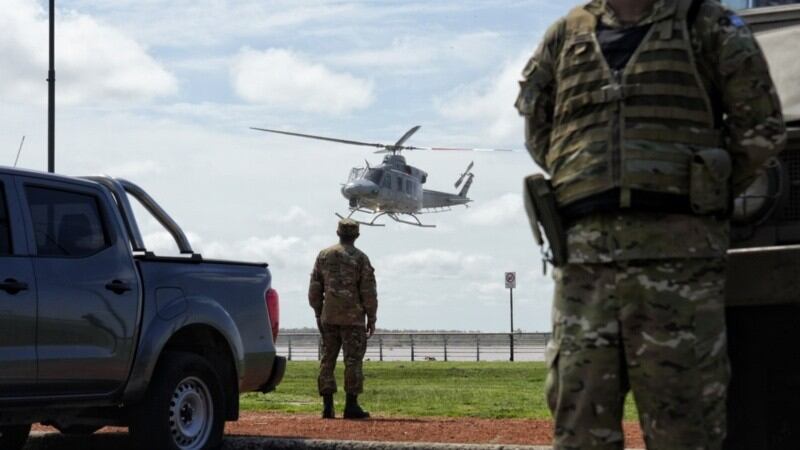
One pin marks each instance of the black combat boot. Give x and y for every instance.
(352, 410)
(327, 407)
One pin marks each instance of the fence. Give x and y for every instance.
(429, 346)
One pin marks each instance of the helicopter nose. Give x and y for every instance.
(359, 188)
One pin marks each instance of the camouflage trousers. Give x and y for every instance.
(654, 326)
(353, 341)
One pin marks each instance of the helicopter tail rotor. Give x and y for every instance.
(465, 174)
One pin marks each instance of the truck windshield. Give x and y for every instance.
(744, 4)
(375, 175)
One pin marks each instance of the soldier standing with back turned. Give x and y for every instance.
(343, 294)
(649, 116)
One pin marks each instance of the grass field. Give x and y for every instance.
(423, 389)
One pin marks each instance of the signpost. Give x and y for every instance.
(511, 283)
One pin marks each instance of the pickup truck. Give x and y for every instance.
(96, 330)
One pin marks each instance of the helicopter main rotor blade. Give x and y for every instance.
(321, 138)
(458, 149)
(408, 134)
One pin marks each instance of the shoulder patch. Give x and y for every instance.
(736, 21)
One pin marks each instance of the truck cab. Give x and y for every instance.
(98, 330)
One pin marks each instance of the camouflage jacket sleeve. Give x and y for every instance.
(368, 290)
(316, 288)
(753, 120)
(536, 101)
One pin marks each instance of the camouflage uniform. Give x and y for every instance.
(640, 303)
(343, 294)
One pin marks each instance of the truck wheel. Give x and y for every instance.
(185, 406)
(14, 437)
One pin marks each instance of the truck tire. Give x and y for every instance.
(14, 437)
(185, 406)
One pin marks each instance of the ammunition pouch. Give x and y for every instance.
(709, 183)
(540, 204)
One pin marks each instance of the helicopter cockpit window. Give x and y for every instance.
(408, 187)
(374, 175)
(387, 181)
(399, 184)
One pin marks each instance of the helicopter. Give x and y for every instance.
(394, 189)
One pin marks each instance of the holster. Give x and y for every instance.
(542, 209)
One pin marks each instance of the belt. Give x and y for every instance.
(641, 201)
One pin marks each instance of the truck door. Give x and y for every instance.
(17, 299)
(87, 284)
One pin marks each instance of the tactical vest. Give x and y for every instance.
(631, 130)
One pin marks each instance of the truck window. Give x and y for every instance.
(5, 225)
(742, 4)
(66, 223)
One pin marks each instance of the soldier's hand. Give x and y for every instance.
(370, 329)
(319, 325)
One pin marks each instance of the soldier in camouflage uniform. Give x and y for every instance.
(343, 294)
(647, 124)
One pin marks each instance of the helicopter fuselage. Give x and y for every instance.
(391, 186)
(394, 189)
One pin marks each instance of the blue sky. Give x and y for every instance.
(163, 92)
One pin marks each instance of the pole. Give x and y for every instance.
(51, 96)
(511, 336)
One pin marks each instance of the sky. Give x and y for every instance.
(162, 92)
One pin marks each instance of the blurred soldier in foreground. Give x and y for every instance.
(649, 116)
(343, 294)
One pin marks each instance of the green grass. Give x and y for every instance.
(423, 389)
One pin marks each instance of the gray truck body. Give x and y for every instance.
(81, 335)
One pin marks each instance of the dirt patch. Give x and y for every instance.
(462, 431)
(454, 431)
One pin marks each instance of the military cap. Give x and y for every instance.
(347, 227)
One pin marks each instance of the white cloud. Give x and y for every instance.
(435, 263)
(489, 105)
(500, 211)
(281, 252)
(134, 169)
(95, 63)
(415, 54)
(287, 80)
(295, 216)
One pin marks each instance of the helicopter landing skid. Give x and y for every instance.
(393, 216)
(369, 224)
(418, 223)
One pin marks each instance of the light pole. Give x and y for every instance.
(51, 96)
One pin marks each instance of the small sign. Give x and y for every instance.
(511, 280)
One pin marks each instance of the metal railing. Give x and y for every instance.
(428, 346)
